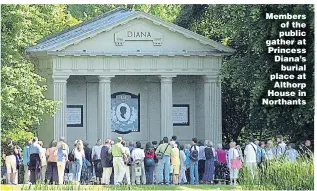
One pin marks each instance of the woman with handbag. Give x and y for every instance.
(234, 163)
(138, 169)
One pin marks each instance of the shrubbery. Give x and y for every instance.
(281, 175)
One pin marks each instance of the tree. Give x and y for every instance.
(22, 101)
(168, 12)
(86, 12)
(245, 74)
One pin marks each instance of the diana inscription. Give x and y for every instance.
(138, 33)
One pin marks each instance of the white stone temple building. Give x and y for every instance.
(132, 74)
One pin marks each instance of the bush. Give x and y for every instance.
(281, 175)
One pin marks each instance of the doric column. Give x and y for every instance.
(104, 107)
(60, 94)
(212, 110)
(166, 106)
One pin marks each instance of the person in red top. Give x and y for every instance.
(149, 162)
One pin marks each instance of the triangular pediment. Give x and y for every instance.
(128, 31)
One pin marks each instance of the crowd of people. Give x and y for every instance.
(122, 162)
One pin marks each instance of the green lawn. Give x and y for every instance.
(140, 187)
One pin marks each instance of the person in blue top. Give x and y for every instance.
(291, 154)
(281, 146)
(263, 155)
(35, 161)
(187, 161)
(61, 161)
(26, 160)
(193, 163)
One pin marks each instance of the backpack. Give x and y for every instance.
(209, 153)
(193, 153)
(71, 155)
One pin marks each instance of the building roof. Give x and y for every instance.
(106, 22)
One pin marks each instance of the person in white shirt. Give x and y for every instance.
(43, 161)
(138, 162)
(78, 163)
(281, 146)
(233, 154)
(183, 168)
(250, 157)
(270, 150)
(95, 155)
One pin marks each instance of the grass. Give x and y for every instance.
(281, 175)
(111, 187)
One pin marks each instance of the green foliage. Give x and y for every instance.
(22, 100)
(85, 12)
(168, 12)
(280, 175)
(245, 74)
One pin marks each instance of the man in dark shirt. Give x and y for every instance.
(9, 151)
(106, 162)
(88, 151)
(35, 161)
